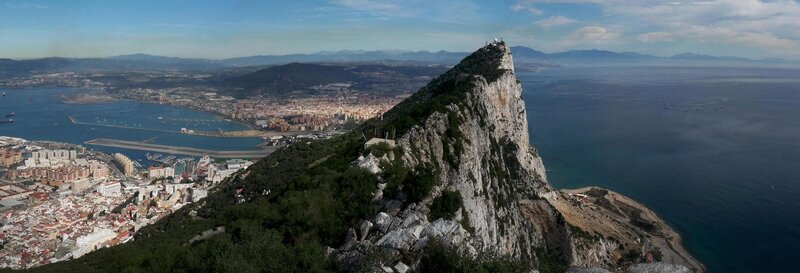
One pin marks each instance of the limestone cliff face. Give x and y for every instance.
(496, 168)
(478, 146)
(477, 143)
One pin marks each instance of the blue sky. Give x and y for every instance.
(221, 29)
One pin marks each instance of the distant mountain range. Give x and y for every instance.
(441, 57)
(522, 55)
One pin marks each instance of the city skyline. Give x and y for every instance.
(217, 29)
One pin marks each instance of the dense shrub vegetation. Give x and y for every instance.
(550, 263)
(441, 258)
(446, 205)
(419, 184)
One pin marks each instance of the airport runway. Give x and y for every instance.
(180, 150)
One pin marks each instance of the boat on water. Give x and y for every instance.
(6, 121)
(10, 115)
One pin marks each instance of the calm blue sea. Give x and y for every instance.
(714, 151)
(40, 114)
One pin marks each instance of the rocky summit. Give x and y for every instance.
(446, 181)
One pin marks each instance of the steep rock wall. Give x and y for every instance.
(496, 168)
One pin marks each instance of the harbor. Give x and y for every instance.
(123, 119)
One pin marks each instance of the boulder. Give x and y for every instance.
(369, 163)
(401, 268)
(382, 222)
(363, 229)
(400, 239)
(443, 228)
(413, 218)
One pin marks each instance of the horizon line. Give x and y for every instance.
(399, 51)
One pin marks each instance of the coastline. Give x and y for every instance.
(217, 115)
(621, 224)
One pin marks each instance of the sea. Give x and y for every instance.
(715, 152)
(42, 114)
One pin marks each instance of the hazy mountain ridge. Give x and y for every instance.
(524, 54)
(9, 67)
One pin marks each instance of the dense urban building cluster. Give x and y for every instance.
(9, 157)
(64, 79)
(327, 110)
(61, 201)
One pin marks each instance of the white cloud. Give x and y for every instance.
(762, 24)
(591, 35)
(526, 6)
(655, 37)
(753, 39)
(379, 7)
(461, 12)
(554, 21)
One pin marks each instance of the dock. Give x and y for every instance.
(178, 150)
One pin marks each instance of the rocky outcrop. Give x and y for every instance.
(609, 229)
(478, 146)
